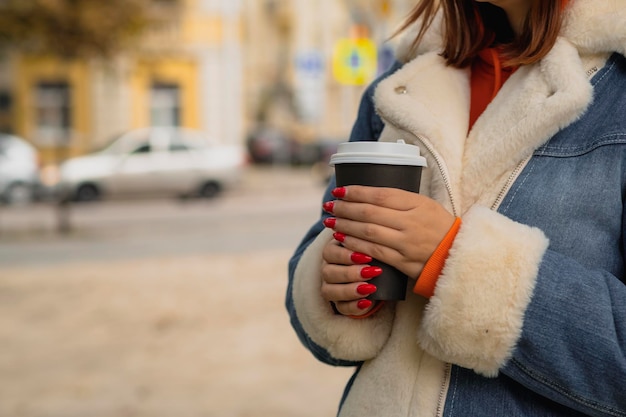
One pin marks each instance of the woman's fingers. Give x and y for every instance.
(342, 274)
(334, 253)
(391, 198)
(346, 292)
(369, 213)
(380, 252)
(393, 226)
(349, 299)
(354, 308)
(340, 288)
(345, 276)
(370, 232)
(395, 209)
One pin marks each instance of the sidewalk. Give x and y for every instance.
(199, 336)
(184, 336)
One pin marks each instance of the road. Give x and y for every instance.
(160, 308)
(271, 209)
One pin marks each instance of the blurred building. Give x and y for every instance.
(221, 66)
(187, 71)
(292, 54)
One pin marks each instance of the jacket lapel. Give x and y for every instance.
(429, 99)
(535, 103)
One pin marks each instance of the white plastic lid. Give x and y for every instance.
(387, 153)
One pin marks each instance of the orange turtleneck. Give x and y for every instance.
(488, 76)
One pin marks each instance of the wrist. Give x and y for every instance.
(427, 280)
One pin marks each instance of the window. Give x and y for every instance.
(5, 112)
(5, 101)
(53, 113)
(143, 148)
(165, 105)
(178, 147)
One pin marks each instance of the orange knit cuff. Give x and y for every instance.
(425, 285)
(373, 311)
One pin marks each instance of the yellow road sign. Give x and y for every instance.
(355, 61)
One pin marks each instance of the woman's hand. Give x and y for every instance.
(397, 227)
(344, 279)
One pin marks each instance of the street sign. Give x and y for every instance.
(310, 63)
(309, 84)
(355, 61)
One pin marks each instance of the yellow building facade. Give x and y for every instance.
(39, 78)
(175, 77)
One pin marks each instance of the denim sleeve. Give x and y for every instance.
(575, 313)
(368, 127)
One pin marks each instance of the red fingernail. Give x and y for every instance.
(364, 304)
(371, 271)
(340, 237)
(339, 192)
(329, 206)
(330, 222)
(360, 258)
(366, 289)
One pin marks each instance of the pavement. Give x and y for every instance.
(196, 335)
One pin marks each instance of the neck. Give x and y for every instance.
(516, 13)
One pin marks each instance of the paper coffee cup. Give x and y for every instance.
(381, 164)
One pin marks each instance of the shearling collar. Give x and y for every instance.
(596, 26)
(430, 101)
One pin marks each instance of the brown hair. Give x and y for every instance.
(470, 26)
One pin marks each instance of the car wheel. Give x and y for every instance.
(19, 194)
(87, 192)
(210, 190)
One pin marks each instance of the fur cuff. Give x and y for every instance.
(344, 338)
(476, 316)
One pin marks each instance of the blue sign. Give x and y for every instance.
(310, 63)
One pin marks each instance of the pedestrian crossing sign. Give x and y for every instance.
(355, 61)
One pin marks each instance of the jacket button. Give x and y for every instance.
(401, 90)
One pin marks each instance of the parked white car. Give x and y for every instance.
(156, 161)
(19, 170)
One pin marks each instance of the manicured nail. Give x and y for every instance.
(330, 222)
(366, 289)
(364, 304)
(329, 206)
(339, 192)
(360, 258)
(371, 271)
(340, 237)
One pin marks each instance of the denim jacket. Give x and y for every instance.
(529, 313)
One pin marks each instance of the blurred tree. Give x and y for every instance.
(76, 28)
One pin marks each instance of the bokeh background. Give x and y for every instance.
(163, 303)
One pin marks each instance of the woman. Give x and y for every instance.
(515, 246)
